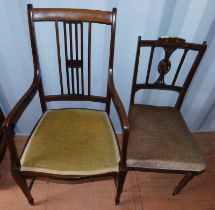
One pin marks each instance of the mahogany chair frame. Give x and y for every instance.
(67, 16)
(169, 44)
(3, 142)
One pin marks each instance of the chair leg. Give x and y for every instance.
(120, 184)
(23, 185)
(115, 179)
(188, 177)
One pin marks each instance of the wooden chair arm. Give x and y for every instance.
(122, 116)
(11, 119)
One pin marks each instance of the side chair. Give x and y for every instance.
(159, 139)
(73, 143)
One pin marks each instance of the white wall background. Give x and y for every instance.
(193, 20)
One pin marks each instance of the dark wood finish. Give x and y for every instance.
(59, 57)
(71, 58)
(20, 180)
(35, 58)
(112, 42)
(150, 64)
(3, 143)
(123, 118)
(170, 42)
(183, 182)
(121, 180)
(76, 49)
(76, 15)
(136, 70)
(89, 57)
(158, 86)
(50, 98)
(111, 58)
(169, 45)
(75, 64)
(66, 57)
(179, 66)
(82, 58)
(31, 183)
(69, 18)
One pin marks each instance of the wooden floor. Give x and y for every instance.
(148, 191)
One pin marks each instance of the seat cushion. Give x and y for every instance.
(72, 142)
(160, 139)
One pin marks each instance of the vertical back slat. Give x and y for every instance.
(89, 58)
(136, 65)
(59, 57)
(71, 58)
(66, 56)
(179, 66)
(76, 49)
(82, 58)
(191, 74)
(150, 64)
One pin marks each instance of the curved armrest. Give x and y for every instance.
(10, 121)
(122, 116)
(18, 109)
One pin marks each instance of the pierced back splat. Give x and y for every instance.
(74, 64)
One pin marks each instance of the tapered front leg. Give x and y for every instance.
(23, 185)
(183, 182)
(120, 184)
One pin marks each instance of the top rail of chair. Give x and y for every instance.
(168, 43)
(67, 14)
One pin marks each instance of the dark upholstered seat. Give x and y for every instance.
(160, 139)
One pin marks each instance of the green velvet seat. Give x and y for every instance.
(72, 142)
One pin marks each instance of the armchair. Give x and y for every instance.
(68, 144)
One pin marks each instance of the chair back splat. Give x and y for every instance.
(169, 45)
